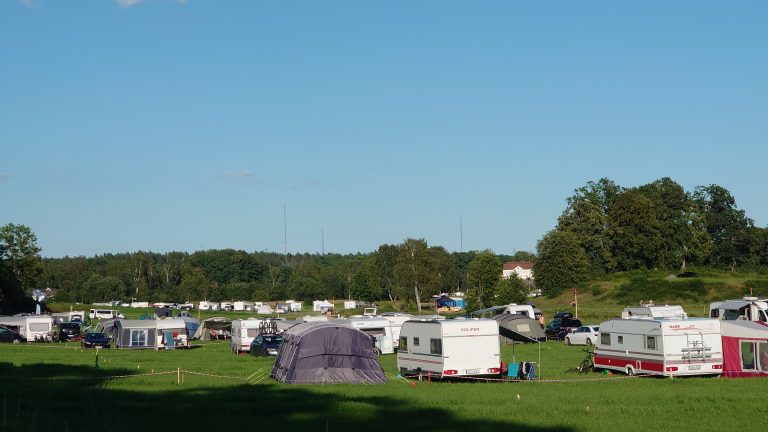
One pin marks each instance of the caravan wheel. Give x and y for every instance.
(630, 370)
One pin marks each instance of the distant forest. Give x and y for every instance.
(604, 228)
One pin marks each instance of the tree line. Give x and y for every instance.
(392, 272)
(607, 228)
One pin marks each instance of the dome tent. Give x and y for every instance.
(326, 353)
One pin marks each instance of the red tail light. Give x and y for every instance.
(450, 372)
(671, 368)
(717, 366)
(493, 370)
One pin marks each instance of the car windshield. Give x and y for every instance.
(273, 339)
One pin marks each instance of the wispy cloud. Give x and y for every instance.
(4, 175)
(131, 3)
(237, 174)
(28, 3)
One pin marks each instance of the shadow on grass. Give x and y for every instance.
(54, 397)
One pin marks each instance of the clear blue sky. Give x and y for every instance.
(184, 125)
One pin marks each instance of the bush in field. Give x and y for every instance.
(641, 288)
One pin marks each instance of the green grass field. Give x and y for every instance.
(58, 387)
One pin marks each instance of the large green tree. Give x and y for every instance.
(561, 263)
(510, 290)
(634, 231)
(484, 274)
(728, 226)
(684, 238)
(21, 253)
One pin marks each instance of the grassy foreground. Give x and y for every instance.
(47, 387)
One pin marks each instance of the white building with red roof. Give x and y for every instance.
(523, 269)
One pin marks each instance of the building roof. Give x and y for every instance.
(526, 265)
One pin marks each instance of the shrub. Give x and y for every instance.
(659, 290)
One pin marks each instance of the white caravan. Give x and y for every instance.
(243, 332)
(660, 346)
(748, 308)
(449, 348)
(104, 314)
(378, 328)
(36, 328)
(396, 320)
(652, 312)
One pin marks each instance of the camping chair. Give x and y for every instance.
(169, 340)
(513, 370)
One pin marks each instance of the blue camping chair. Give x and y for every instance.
(513, 370)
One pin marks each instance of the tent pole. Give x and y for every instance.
(539, 361)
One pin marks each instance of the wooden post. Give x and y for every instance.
(178, 375)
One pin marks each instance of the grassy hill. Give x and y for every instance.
(605, 297)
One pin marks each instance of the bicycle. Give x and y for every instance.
(587, 365)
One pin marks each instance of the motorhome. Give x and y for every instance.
(449, 348)
(226, 306)
(243, 332)
(660, 346)
(378, 328)
(651, 312)
(748, 308)
(104, 314)
(36, 328)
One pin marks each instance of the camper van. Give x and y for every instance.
(449, 348)
(748, 308)
(243, 332)
(378, 328)
(38, 328)
(104, 314)
(660, 346)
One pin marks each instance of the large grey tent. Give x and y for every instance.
(518, 328)
(325, 353)
(135, 334)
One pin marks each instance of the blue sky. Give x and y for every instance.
(184, 125)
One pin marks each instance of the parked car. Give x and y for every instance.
(8, 335)
(69, 331)
(558, 328)
(584, 335)
(266, 345)
(94, 340)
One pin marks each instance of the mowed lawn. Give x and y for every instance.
(58, 387)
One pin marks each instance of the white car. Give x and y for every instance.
(584, 335)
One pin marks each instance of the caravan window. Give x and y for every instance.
(747, 355)
(39, 327)
(138, 338)
(415, 341)
(620, 339)
(650, 342)
(252, 332)
(403, 343)
(605, 338)
(762, 350)
(435, 346)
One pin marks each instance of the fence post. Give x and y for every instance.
(178, 375)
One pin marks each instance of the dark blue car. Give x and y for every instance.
(266, 345)
(95, 340)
